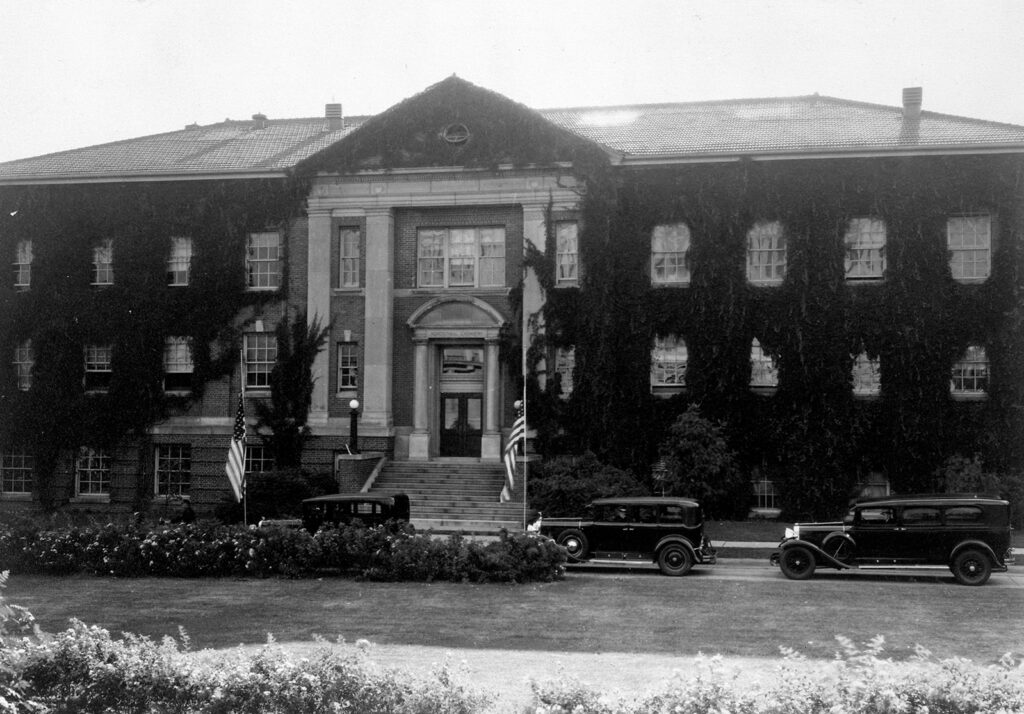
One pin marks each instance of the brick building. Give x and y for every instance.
(406, 231)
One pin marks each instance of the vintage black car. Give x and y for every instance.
(968, 533)
(369, 509)
(666, 531)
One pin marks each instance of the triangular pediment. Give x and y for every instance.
(454, 123)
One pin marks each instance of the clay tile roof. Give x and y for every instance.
(809, 124)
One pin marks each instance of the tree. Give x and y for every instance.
(291, 388)
(700, 464)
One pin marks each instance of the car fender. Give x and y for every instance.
(677, 539)
(997, 562)
(823, 557)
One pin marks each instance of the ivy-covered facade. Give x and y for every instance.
(838, 284)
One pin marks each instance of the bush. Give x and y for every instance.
(392, 552)
(563, 485)
(699, 464)
(276, 494)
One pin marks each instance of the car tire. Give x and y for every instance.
(839, 548)
(971, 567)
(797, 563)
(575, 543)
(675, 559)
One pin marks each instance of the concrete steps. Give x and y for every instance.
(453, 496)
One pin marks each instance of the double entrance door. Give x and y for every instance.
(461, 423)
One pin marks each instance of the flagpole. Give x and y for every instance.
(241, 385)
(526, 462)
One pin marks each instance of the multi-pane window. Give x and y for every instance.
(763, 371)
(92, 472)
(348, 365)
(258, 460)
(766, 253)
(969, 239)
(970, 373)
(865, 249)
(669, 246)
(23, 265)
(565, 368)
(16, 471)
(97, 367)
(765, 495)
(668, 362)
(173, 469)
(103, 263)
(263, 261)
(348, 250)
(178, 365)
(460, 257)
(867, 376)
(567, 253)
(24, 360)
(260, 356)
(179, 261)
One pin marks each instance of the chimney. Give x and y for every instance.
(335, 119)
(912, 102)
(260, 120)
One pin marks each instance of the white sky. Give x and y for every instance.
(81, 72)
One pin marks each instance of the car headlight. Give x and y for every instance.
(793, 532)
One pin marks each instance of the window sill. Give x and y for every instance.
(177, 392)
(15, 496)
(971, 281)
(91, 498)
(655, 284)
(969, 396)
(567, 284)
(348, 289)
(865, 281)
(764, 391)
(867, 396)
(251, 289)
(663, 391)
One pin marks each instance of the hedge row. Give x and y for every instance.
(393, 552)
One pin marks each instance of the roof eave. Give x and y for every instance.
(635, 160)
(140, 177)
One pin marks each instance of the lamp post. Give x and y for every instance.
(353, 426)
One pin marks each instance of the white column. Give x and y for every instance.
(419, 439)
(490, 444)
(318, 304)
(378, 321)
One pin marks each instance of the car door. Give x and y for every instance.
(920, 536)
(873, 528)
(612, 530)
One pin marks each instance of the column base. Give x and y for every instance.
(419, 446)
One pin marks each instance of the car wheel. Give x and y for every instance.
(797, 563)
(574, 542)
(840, 549)
(675, 559)
(971, 567)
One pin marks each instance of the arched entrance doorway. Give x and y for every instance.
(456, 392)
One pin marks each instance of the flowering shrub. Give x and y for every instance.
(391, 553)
(859, 680)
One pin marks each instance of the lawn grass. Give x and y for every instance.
(713, 610)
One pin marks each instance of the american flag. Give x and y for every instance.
(509, 456)
(235, 467)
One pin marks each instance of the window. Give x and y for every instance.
(763, 372)
(178, 364)
(963, 514)
(567, 253)
(348, 365)
(263, 261)
(460, 363)
(920, 516)
(103, 263)
(348, 250)
(23, 265)
(16, 472)
(969, 239)
(766, 254)
(565, 367)
(669, 246)
(668, 363)
(867, 376)
(97, 367)
(23, 363)
(876, 516)
(765, 495)
(460, 257)
(258, 460)
(260, 356)
(865, 249)
(92, 472)
(970, 374)
(173, 469)
(179, 262)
